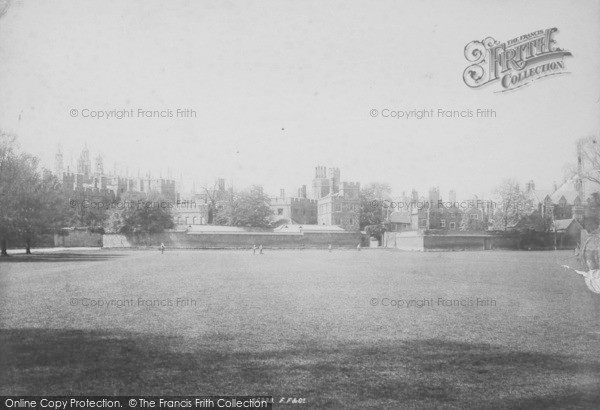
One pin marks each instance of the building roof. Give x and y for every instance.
(400, 217)
(539, 195)
(563, 224)
(214, 228)
(308, 228)
(568, 190)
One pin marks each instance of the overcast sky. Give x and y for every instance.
(282, 86)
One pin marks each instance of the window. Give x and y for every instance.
(279, 211)
(443, 223)
(452, 225)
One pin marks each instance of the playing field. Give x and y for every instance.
(342, 329)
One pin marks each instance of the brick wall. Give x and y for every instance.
(236, 240)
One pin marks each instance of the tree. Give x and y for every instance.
(248, 208)
(85, 213)
(535, 222)
(43, 209)
(140, 215)
(591, 219)
(589, 169)
(371, 207)
(11, 167)
(513, 204)
(215, 195)
(375, 231)
(474, 220)
(30, 203)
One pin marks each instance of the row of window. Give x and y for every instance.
(189, 220)
(442, 224)
(338, 221)
(337, 207)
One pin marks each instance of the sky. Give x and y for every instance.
(279, 87)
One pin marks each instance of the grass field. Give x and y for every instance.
(305, 324)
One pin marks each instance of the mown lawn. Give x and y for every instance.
(306, 324)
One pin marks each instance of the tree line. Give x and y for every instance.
(33, 203)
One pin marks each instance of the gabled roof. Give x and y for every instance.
(563, 224)
(539, 195)
(569, 196)
(568, 189)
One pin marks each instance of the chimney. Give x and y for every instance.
(282, 193)
(415, 196)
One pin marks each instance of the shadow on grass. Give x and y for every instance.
(60, 257)
(402, 374)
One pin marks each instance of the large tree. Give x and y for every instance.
(44, 210)
(12, 166)
(247, 208)
(513, 204)
(31, 203)
(589, 147)
(470, 224)
(215, 196)
(138, 213)
(371, 206)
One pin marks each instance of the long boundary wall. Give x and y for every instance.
(416, 241)
(78, 237)
(197, 240)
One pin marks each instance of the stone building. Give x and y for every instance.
(338, 202)
(93, 192)
(190, 212)
(435, 214)
(294, 210)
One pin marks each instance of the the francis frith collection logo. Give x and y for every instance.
(514, 63)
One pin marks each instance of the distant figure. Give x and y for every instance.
(162, 248)
(358, 247)
(329, 248)
(253, 249)
(260, 249)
